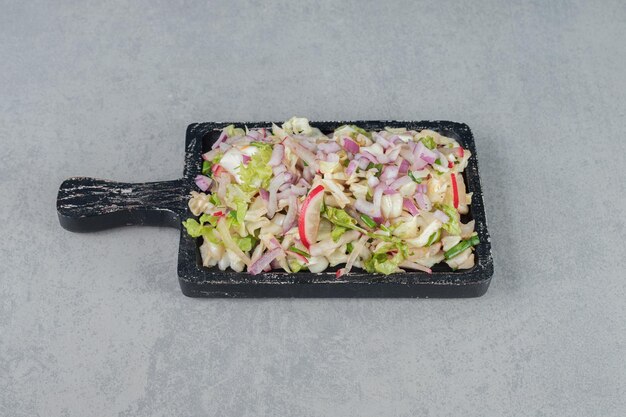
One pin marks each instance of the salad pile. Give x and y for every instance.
(293, 198)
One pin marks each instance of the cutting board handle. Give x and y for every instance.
(90, 204)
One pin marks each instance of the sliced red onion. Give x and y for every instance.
(390, 172)
(245, 158)
(356, 251)
(423, 202)
(224, 146)
(333, 157)
(363, 163)
(219, 140)
(203, 182)
(408, 155)
(400, 182)
(209, 156)
(303, 153)
(404, 167)
(373, 181)
(366, 207)
(378, 219)
(308, 174)
(418, 165)
(277, 155)
(276, 182)
(264, 194)
(350, 145)
(381, 140)
(264, 261)
(329, 147)
(306, 142)
(422, 188)
(285, 186)
(302, 258)
(410, 206)
(222, 181)
(425, 153)
(279, 169)
(290, 218)
(389, 190)
(376, 200)
(352, 166)
(392, 154)
(369, 156)
(441, 216)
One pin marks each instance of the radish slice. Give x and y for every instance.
(455, 191)
(309, 221)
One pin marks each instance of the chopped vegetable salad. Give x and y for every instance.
(293, 198)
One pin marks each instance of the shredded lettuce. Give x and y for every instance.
(341, 218)
(352, 131)
(205, 228)
(245, 243)
(337, 232)
(215, 200)
(231, 131)
(257, 173)
(297, 125)
(383, 263)
(295, 266)
(429, 142)
(452, 226)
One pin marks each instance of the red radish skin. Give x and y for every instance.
(310, 212)
(455, 191)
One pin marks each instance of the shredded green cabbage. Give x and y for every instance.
(257, 173)
(231, 131)
(337, 232)
(429, 142)
(382, 263)
(452, 226)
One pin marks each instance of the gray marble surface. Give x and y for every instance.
(95, 324)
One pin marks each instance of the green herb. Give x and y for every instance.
(349, 247)
(434, 237)
(412, 176)
(438, 161)
(299, 252)
(368, 221)
(379, 168)
(461, 246)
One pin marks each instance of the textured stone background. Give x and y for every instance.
(95, 324)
